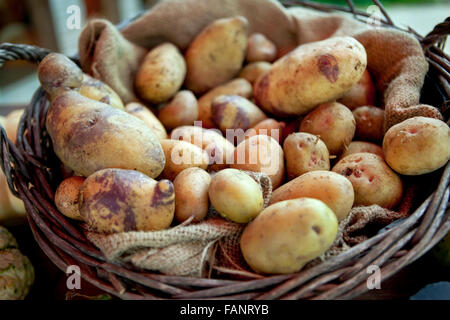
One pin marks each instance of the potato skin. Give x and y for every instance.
(161, 73)
(361, 94)
(369, 123)
(254, 70)
(142, 112)
(417, 146)
(373, 181)
(305, 152)
(235, 112)
(362, 146)
(89, 136)
(235, 195)
(240, 87)
(216, 55)
(67, 197)
(97, 90)
(331, 188)
(333, 123)
(117, 200)
(181, 155)
(182, 110)
(287, 235)
(191, 194)
(312, 74)
(269, 127)
(261, 153)
(259, 48)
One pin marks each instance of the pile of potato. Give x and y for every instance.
(307, 119)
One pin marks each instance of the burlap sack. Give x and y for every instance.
(395, 58)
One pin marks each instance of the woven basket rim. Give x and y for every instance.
(25, 165)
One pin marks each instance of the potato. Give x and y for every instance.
(373, 181)
(12, 209)
(333, 123)
(417, 145)
(235, 195)
(161, 73)
(12, 123)
(182, 110)
(305, 152)
(287, 235)
(216, 55)
(240, 87)
(369, 123)
(181, 155)
(117, 200)
(142, 112)
(89, 136)
(331, 188)
(67, 197)
(312, 74)
(269, 127)
(97, 90)
(259, 48)
(362, 146)
(261, 153)
(219, 150)
(191, 194)
(254, 70)
(235, 112)
(361, 94)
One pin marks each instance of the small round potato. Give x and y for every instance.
(97, 90)
(417, 145)
(191, 194)
(287, 235)
(333, 123)
(259, 48)
(117, 200)
(181, 155)
(305, 152)
(67, 197)
(331, 188)
(235, 195)
(362, 146)
(369, 123)
(182, 110)
(269, 127)
(361, 94)
(235, 112)
(373, 181)
(261, 153)
(142, 112)
(254, 70)
(161, 74)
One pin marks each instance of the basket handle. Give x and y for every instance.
(13, 52)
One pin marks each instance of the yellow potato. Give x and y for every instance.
(333, 123)
(417, 146)
(182, 110)
(254, 70)
(117, 200)
(12, 123)
(269, 127)
(161, 74)
(181, 155)
(240, 87)
(191, 194)
(361, 94)
(235, 195)
(287, 235)
(362, 146)
(369, 123)
(97, 90)
(67, 197)
(142, 112)
(373, 181)
(331, 188)
(259, 48)
(216, 55)
(312, 74)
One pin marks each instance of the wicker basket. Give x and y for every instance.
(32, 172)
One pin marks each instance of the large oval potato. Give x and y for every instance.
(142, 112)
(240, 87)
(369, 123)
(312, 74)
(261, 153)
(161, 74)
(216, 55)
(67, 197)
(191, 194)
(254, 70)
(331, 188)
(97, 90)
(182, 110)
(259, 48)
(235, 195)
(287, 235)
(361, 94)
(417, 145)
(181, 155)
(373, 181)
(117, 200)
